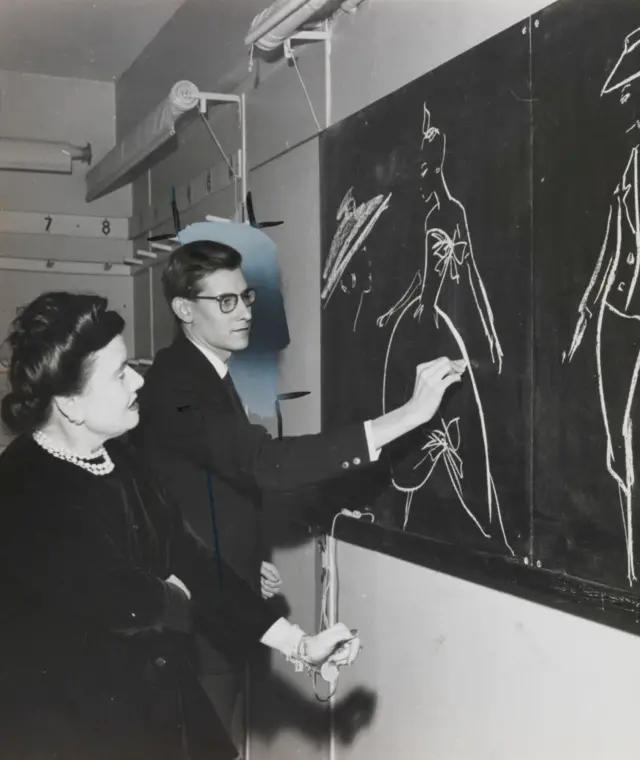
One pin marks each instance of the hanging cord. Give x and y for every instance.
(329, 670)
(328, 583)
(328, 579)
(234, 173)
(220, 148)
(299, 658)
(289, 55)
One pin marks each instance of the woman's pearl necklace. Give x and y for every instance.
(102, 468)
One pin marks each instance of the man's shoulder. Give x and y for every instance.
(172, 385)
(167, 356)
(169, 365)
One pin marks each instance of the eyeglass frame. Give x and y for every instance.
(237, 296)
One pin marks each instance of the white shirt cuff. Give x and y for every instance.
(283, 636)
(374, 454)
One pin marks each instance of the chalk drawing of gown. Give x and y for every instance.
(612, 297)
(429, 311)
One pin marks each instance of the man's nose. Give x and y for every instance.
(243, 311)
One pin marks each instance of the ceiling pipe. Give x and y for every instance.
(277, 23)
(41, 155)
(350, 6)
(112, 171)
(270, 28)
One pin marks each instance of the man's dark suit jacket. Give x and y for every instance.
(192, 433)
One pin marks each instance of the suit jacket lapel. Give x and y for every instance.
(203, 373)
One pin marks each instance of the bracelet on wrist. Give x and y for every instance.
(300, 656)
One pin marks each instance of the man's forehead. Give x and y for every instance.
(223, 281)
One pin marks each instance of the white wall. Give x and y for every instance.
(76, 111)
(298, 246)
(460, 671)
(66, 110)
(463, 672)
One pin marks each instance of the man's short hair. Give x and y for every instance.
(191, 263)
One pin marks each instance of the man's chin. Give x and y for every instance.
(241, 343)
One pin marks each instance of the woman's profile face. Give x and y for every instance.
(431, 155)
(107, 405)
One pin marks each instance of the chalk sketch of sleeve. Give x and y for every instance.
(593, 293)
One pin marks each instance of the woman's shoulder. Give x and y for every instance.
(24, 479)
(18, 458)
(31, 476)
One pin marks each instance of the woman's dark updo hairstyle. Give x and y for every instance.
(53, 340)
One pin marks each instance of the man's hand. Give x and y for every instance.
(270, 580)
(432, 380)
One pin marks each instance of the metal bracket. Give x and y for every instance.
(215, 97)
(240, 100)
(310, 36)
(202, 185)
(316, 35)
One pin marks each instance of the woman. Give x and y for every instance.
(101, 581)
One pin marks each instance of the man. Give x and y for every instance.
(194, 430)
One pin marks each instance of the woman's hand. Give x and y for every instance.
(336, 644)
(270, 580)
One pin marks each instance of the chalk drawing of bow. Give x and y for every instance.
(450, 252)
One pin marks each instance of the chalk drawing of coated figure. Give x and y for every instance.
(612, 300)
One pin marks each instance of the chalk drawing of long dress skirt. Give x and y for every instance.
(445, 305)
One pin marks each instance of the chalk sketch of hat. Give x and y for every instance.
(627, 67)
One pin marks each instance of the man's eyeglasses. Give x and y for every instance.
(229, 301)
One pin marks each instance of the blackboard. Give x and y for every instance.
(490, 210)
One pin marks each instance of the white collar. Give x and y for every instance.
(217, 363)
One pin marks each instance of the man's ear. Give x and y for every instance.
(182, 309)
